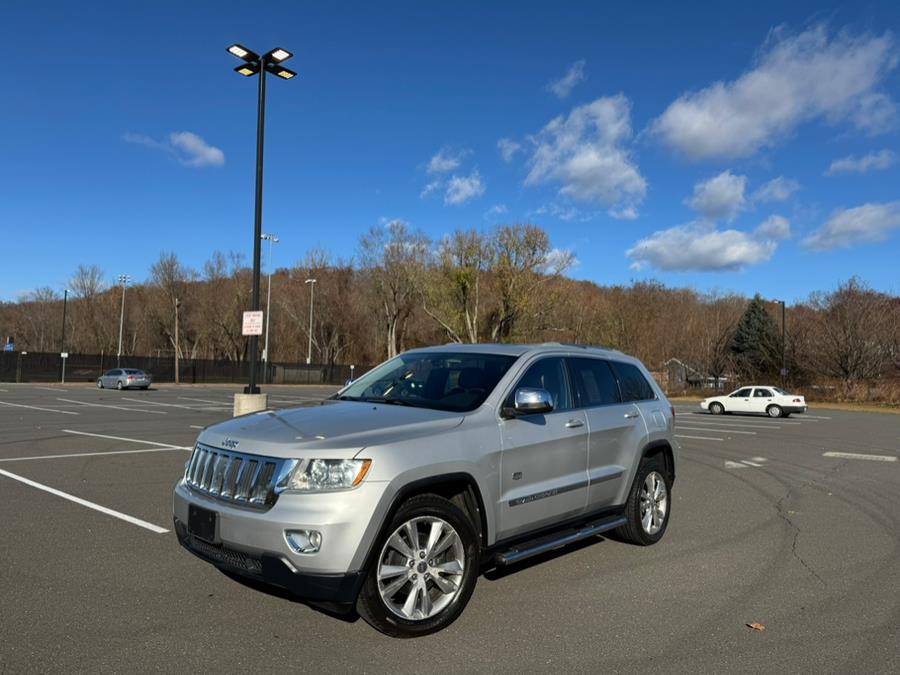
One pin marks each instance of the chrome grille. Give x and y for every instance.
(235, 477)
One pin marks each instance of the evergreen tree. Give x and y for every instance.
(756, 343)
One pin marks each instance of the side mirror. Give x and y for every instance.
(530, 401)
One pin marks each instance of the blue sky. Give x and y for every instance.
(750, 148)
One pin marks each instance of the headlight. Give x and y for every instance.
(320, 475)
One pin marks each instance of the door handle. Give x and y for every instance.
(631, 415)
(574, 424)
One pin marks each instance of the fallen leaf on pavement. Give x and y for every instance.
(756, 626)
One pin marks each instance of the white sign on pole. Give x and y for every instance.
(253, 323)
(64, 355)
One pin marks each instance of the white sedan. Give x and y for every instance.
(770, 401)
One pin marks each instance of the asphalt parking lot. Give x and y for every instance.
(769, 526)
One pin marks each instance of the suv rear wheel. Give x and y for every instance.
(425, 571)
(649, 504)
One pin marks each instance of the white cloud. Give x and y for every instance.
(776, 190)
(720, 197)
(186, 147)
(774, 228)
(874, 161)
(433, 186)
(461, 189)
(794, 79)
(861, 225)
(699, 247)
(508, 148)
(876, 114)
(584, 153)
(624, 213)
(445, 161)
(194, 151)
(564, 85)
(495, 210)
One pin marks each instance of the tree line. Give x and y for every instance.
(402, 290)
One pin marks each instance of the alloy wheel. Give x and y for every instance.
(654, 502)
(420, 569)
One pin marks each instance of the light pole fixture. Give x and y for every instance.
(124, 280)
(783, 352)
(259, 65)
(177, 365)
(272, 239)
(312, 288)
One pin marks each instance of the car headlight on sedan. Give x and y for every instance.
(323, 475)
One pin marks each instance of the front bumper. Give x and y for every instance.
(269, 568)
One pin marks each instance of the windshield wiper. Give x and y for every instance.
(392, 401)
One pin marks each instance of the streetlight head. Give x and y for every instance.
(247, 70)
(243, 53)
(283, 73)
(310, 281)
(278, 55)
(269, 237)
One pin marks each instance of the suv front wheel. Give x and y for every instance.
(425, 571)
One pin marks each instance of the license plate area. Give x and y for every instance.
(202, 523)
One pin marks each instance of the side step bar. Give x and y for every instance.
(556, 540)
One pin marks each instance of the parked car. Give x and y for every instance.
(394, 495)
(766, 400)
(123, 378)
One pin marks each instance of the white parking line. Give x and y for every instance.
(84, 502)
(204, 400)
(699, 438)
(750, 425)
(749, 463)
(168, 405)
(34, 407)
(128, 440)
(730, 431)
(814, 417)
(196, 426)
(90, 454)
(50, 388)
(734, 465)
(853, 455)
(114, 407)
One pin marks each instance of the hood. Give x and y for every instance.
(333, 431)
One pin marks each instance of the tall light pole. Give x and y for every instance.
(177, 305)
(259, 65)
(272, 239)
(62, 342)
(312, 287)
(783, 343)
(123, 279)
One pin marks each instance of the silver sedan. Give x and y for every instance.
(123, 378)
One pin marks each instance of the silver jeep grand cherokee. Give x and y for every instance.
(395, 494)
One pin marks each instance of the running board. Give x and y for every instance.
(556, 540)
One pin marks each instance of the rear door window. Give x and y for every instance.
(595, 383)
(632, 383)
(762, 393)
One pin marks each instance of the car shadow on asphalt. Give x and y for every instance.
(347, 615)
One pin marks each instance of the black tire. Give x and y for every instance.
(99, 384)
(774, 411)
(373, 609)
(146, 388)
(716, 408)
(633, 531)
(119, 385)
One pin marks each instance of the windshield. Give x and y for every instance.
(457, 382)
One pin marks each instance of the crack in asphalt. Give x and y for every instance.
(783, 514)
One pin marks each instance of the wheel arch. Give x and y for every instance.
(664, 448)
(458, 487)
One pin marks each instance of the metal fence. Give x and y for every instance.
(47, 367)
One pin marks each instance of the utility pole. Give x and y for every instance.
(783, 345)
(123, 279)
(272, 239)
(312, 287)
(177, 303)
(62, 345)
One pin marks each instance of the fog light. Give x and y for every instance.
(304, 541)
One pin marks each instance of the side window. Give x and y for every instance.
(594, 382)
(632, 383)
(549, 374)
(742, 393)
(762, 393)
